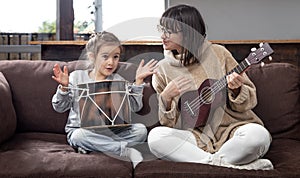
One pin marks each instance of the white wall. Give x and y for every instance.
(249, 19)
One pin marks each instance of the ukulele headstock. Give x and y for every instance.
(257, 55)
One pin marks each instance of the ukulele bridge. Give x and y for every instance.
(188, 109)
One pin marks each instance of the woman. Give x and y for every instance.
(232, 135)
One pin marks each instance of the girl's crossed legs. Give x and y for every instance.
(113, 140)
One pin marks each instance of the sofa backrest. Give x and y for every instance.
(32, 89)
(278, 96)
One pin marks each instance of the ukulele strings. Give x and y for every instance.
(200, 100)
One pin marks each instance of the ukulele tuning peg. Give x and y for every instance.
(261, 45)
(262, 64)
(270, 58)
(253, 49)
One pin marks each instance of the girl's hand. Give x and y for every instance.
(234, 82)
(62, 77)
(176, 87)
(144, 71)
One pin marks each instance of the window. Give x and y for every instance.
(26, 16)
(128, 19)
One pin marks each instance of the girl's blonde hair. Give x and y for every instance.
(97, 40)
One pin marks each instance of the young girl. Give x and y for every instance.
(233, 135)
(103, 50)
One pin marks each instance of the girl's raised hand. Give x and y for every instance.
(62, 77)
(144, 71)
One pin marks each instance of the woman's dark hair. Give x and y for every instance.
(189, 21)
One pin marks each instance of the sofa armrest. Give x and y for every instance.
(8, 120)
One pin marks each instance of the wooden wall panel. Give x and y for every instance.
(284, 51)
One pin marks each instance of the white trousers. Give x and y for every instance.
(250, 142)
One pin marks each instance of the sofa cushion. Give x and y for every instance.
(48, 155)
(32, 89)
(278, 97)
(283, 153)
(148, 115)
(8, 115)
(170, 169)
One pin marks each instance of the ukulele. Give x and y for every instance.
(195, 106)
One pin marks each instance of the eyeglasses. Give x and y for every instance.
(165, 31)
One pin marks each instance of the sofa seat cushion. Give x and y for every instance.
(8, 120)
(48, 155)
(283, 154)
(169, 169)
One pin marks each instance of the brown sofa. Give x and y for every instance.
(33, 142)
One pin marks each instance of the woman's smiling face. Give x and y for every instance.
(171, 40)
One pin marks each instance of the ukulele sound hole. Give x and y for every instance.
(207, 95)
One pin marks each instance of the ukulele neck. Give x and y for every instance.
(220, 84)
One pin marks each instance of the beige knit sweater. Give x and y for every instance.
(216, 61)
